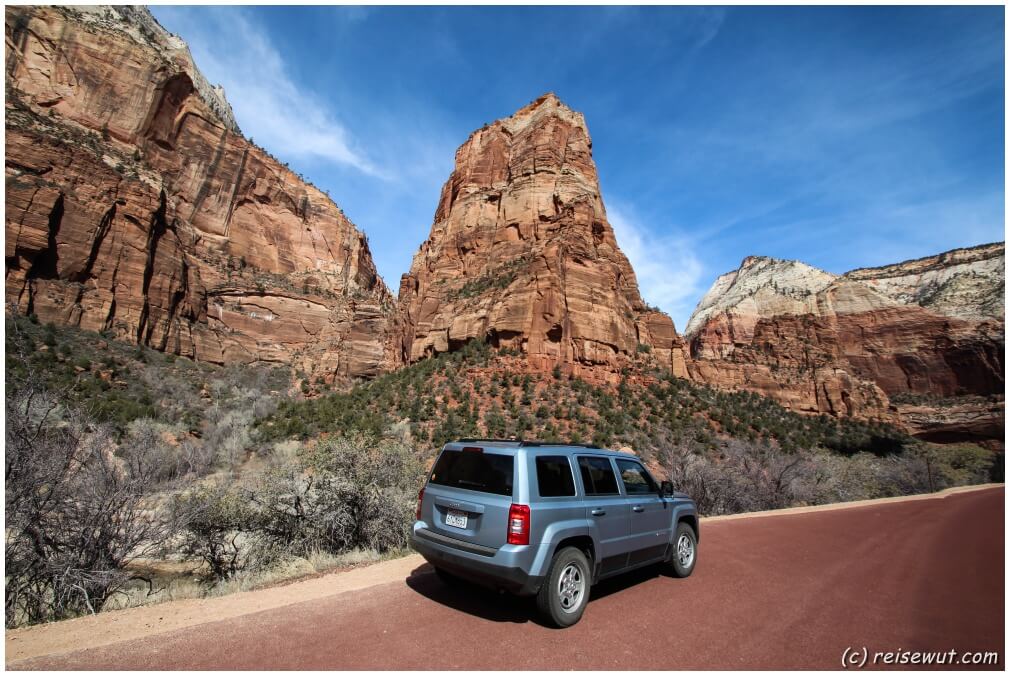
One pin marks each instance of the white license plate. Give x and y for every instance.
(455, 518)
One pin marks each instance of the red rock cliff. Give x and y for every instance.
(521, 254)
(134, 205)
(877, 343)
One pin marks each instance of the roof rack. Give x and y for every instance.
(556, 443)
(522, 442)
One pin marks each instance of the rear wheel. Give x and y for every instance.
(564, 594)
(685, 551)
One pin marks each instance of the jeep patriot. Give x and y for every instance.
(549, 520)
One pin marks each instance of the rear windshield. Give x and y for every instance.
(474, 471)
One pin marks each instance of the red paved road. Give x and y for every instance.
(789, 591)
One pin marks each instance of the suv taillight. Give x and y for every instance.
(519, 525)
(420, 497)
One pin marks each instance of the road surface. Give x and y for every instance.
(786, 591)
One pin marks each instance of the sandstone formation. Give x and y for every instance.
(521, 254)
(930, 329)
(136, 207)
(980, 420)
(964, 283)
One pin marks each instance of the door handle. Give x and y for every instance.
(598, 512)
(638, 508)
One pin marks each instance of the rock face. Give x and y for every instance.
(925, 329)
(521, 254)
(135, 206)
(963, 283)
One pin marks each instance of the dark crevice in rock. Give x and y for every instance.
(208, 176)
(19, 36)
(96, 243)
(235, 189)
(110, 315)
(46, 264)
(177, 297)
(159, 224)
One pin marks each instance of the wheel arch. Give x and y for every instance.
(583, 543)
(692, 521)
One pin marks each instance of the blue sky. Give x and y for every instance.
(842, 137)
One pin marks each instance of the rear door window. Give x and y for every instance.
(474, 471)
(597, 476)
(554, 476)
(636, 480)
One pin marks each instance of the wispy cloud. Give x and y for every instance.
(667, 267)
(270, 107)
(706, 24)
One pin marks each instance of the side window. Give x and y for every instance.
(636, 480)
(554, 476)
(598, 476)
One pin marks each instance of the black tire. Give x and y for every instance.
(552, 601)
(677, 565)
(447, 578)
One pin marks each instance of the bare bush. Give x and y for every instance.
(75, 510)
(744, 477)
(739, 477)
(228, 431)
(339, 495)
(213, 516)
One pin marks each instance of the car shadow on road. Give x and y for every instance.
(471, 598)
(489, 604)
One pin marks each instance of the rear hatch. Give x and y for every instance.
(468, 495)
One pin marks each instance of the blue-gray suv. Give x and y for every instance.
(549, 520)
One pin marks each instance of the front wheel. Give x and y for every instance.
(685, 551)
(564, 594)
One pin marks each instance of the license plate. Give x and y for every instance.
(455, 518)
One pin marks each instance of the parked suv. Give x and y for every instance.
(549, 520)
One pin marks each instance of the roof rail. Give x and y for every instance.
(522, 442)
(556, 443)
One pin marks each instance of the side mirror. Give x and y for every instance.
(666, 488)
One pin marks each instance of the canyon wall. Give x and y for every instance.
(136, 207)
(521, 254)
(919, 343)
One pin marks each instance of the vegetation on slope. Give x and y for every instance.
(482, 393)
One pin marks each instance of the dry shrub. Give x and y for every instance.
(341, 494)
(74, 507)
(741, 476)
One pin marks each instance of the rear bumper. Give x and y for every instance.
(505, 568)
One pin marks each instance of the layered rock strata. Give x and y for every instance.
(846, 345)
(136, 207)
(521, 254)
